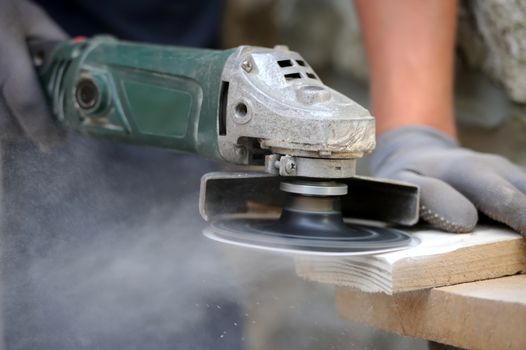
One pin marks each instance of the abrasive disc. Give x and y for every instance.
(269, 234)
(311, 223)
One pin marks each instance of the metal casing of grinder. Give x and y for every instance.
(309, 129)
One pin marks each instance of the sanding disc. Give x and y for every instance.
(310, 223)
(266, 234)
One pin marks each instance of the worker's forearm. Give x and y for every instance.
(409, 44)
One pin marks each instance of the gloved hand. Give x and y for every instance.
(23, 108)
(454, 182)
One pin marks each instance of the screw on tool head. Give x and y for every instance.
(290, 166)
(246, 65)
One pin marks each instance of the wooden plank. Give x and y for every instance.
(487, 314)
(440, 259)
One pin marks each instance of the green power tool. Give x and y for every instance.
(264, 109)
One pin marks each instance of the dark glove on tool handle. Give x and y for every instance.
(23, 108)
(454, 182)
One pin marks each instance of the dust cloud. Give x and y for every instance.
(101, 248)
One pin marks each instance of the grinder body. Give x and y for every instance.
(152, 95)
(247, 105)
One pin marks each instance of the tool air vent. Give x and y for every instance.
(303, 70)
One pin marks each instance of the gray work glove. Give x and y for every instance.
(23, 107)
(454, 182)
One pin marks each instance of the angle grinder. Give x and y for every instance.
(311, 222)
(264, 109)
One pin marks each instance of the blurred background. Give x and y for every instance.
(103, 250)
(491, 58)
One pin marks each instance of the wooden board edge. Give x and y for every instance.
(439, 315)
(375, 274)
(469, 264)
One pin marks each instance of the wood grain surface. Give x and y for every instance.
(487, 314)
(440, 259)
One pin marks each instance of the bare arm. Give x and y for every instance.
(409, 46)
